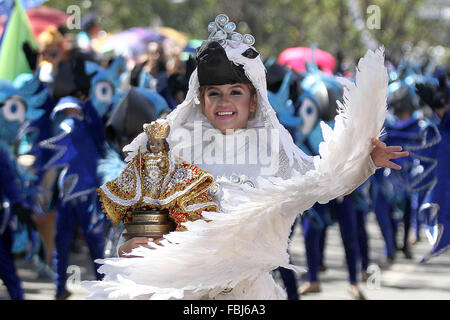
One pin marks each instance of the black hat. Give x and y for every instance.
(130, 114)
(436, 96)
(72, 79)
(401, 100)
(275, 76)
(214, 68)
(89, 21)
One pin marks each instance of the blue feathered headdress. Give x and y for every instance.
(19, 104)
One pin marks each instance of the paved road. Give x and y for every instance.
(406, 279)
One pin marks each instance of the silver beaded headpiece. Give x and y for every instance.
(222, 31)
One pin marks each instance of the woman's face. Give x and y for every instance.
(228, 106)
(52, 53)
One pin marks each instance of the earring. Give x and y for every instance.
(253, 104)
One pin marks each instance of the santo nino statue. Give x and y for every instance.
(153, 184)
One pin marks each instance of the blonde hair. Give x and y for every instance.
(48, 37)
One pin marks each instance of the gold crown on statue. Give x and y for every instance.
(157, 130)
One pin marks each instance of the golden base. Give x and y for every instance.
(149, 223)
(149, 228)
(153, 235)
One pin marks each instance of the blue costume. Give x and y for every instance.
(388, 188)
(36, 131)
(16, 107)
(441, 192)
(395, 195)
(105, 91)
(352, 228)
(77, 146)
(436, 205)
(31, 135)
(12, 195)
(316, 103)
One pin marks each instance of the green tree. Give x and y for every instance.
(277, 25)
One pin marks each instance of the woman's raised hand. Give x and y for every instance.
(382, 154)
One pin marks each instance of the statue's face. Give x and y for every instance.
(156, 145)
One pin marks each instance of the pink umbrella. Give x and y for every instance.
(42, 17)
(297, 56)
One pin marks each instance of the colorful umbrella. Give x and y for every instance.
(131, 42)
(42, 17)
(297, 56)
(180, 38)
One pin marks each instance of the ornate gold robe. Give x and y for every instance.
(177, 186)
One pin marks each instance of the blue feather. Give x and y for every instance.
(110, 166)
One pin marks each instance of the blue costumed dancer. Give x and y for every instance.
(32, 134)
(395, 194)
(105, 91)
(318, 103)
(436, 205)
(15, 216)
(78, 145)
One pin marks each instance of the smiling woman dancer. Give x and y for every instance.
(229, 254)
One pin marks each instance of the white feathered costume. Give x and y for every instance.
(231, 256)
